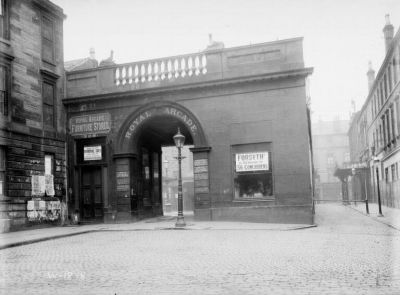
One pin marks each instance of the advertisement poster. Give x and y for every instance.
(252, 162)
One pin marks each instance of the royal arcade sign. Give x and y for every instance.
(145, 115)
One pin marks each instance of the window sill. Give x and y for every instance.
(247, 200)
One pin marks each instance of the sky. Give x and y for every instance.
(340, 36)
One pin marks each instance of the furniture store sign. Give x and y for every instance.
(252, 162)
(90, 124)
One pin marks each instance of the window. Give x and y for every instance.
(48, 105)
(3, 90)
(389, 71)
(4, 19)
(384, 130)
(2, 170)
(387, 174)
(392, 168)
(47, 39)
(392, 123)
(252, 171)
(394, 67)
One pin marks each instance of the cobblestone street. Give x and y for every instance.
(348, 253)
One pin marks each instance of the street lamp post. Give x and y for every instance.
(379, 193)
(179, 140)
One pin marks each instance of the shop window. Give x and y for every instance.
(47, 39)
(4, 19)
(2, 170)
(252, 171)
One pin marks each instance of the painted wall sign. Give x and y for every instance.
(92, 153)
(90, 124)
(200, 171)
(252, 162)
(142, 117)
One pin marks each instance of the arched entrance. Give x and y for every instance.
(138, 156)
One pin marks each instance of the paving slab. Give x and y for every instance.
(390, 216)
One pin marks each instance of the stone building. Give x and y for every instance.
(243, 109)
(330, 150)
(375, 129)
(32, 120)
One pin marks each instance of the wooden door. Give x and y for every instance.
(91, 194)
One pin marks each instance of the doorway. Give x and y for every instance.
(92, 194)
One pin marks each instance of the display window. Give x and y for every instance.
(252, 171)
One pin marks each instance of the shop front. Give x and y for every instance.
(242, 110)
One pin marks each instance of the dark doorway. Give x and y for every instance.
(91, 192)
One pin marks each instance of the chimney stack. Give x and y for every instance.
(92, 53)
(370, 75)
(388, 32)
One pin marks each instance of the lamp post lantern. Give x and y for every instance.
(179, 140)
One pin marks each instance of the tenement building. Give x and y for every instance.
(32, 123)
(243, 110)
(330, 150)
(375, 129)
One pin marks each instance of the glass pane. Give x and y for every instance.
(48, 115)
(253, 185)
(47, 29)
(2, 78)
(47, 50)
(48, 93)
(2, 102)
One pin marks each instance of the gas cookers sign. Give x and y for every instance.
(258, 161)
(90, 125)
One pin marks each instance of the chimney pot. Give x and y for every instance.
(370, 75)
(388, 32)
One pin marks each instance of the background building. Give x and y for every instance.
(243, 109)
(330, 150)
(32, 120)
(375, 129)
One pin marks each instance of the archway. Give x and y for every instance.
(138, 155)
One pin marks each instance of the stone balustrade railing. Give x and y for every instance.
(162, 69)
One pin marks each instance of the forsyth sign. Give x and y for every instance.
(252, 162)
(139, 119)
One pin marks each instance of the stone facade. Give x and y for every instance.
(246, 102)
(330, 150)
(32, 118)
(374, 133)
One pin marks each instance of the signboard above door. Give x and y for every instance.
(92, 153)
(90, 125)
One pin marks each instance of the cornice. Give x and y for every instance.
(194, 85)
